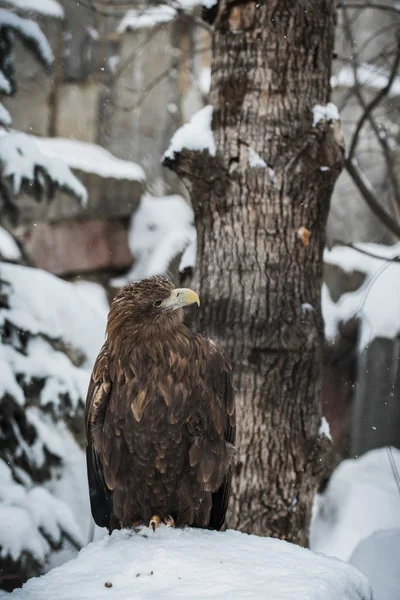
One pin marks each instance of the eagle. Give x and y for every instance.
(160, 416)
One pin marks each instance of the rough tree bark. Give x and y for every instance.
(260, 242)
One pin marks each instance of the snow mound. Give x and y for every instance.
(362, 497)
(378, 558)
(190, 563)
(376, 302)
(161, 229)
(195, 135)
(90, 158)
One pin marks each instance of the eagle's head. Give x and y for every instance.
(149, 302)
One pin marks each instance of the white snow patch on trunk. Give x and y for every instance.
(324, 429)
(329, 112)
(255, 160)
(307, 307)
(195, 135)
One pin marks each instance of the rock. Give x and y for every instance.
(79, 246)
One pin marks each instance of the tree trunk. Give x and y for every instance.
(261, 230)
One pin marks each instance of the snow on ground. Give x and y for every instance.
(378, 558)
(361, 498)
(43, 303)
(172, 564)
(90, 158)
(49, 8)
(161, 229)
(8, 246)
(368, 76)
(21, 157)
(375, 303)
(195, 135)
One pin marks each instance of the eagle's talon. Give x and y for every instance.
(154, 522)
(169, 521)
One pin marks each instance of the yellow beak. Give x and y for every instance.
(181, 297)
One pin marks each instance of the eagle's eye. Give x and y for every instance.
(157, 303)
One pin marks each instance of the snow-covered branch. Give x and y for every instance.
(24, 167)
(46, 352)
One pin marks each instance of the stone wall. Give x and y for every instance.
(125, 90)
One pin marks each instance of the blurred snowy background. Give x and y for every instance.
(89, 102)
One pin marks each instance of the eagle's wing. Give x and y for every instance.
(96, 405)
(222, 383)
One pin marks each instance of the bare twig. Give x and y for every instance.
(146, 91)
(352, 167)
(366, 4)
(375, 101)
(127, 61)
(367, 192)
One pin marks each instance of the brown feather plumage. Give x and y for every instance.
(160, 417)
